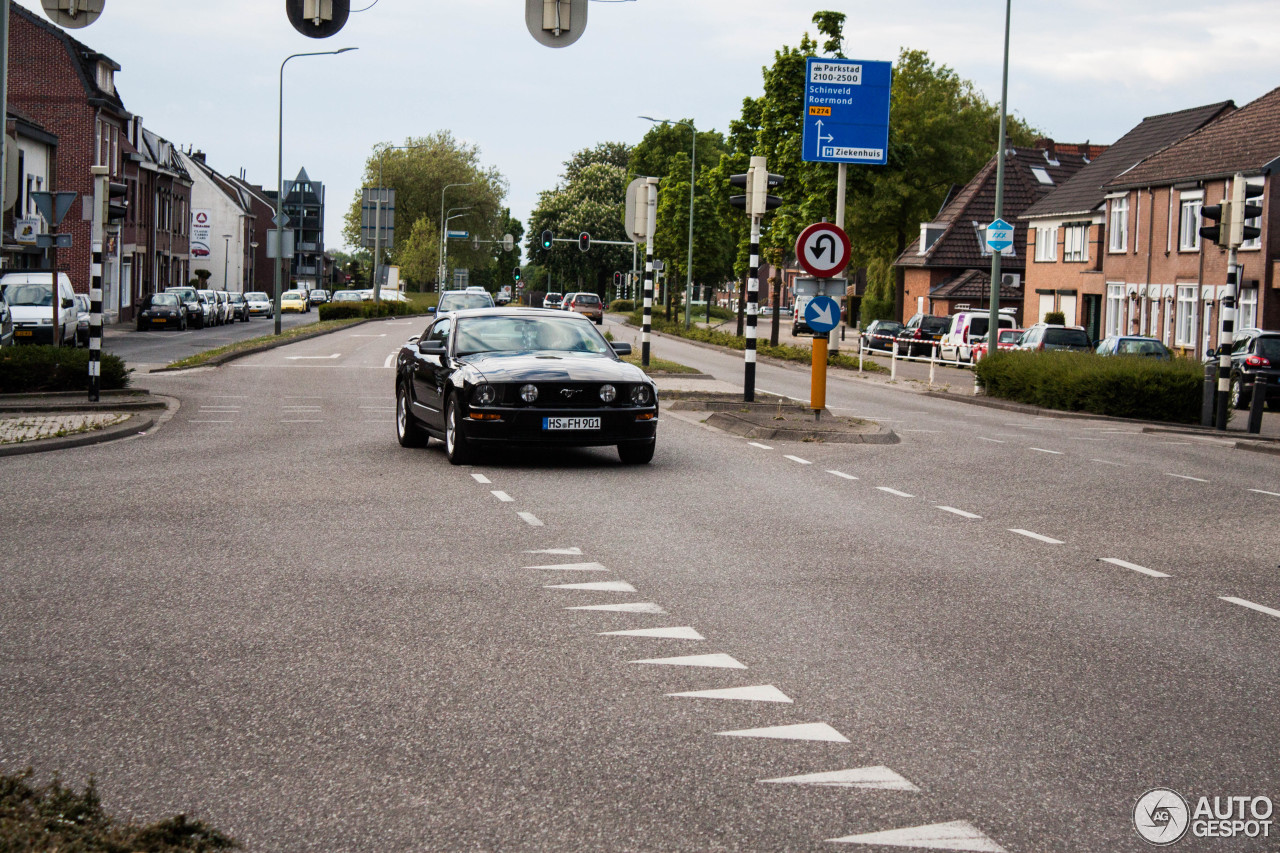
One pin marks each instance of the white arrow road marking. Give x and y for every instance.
(759, 693)
(504, 497)
(894, 492)
(843, 475)
(637, 607)
(530, 519)
(568, 552)
(992, 440)
(802, 731)
(1273, 494)
(682, 633)
(1037, 536)
(1134, 566)
(957, 835)
(1185, 477)
(573, 567)
(312, 357)
(390, 362)
(1042, 450)
(1249, 604)
(719, 661)
(875, 778)
(958, 512)
(482, 479)
(602, 586)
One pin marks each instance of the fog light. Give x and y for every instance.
(608, 393)
(529, 393)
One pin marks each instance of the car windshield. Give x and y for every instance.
(936, 325)
(166, 299)
(1269, 348)
(256, 297)
(463, 301)
(1137, 346)
(528, 334)
(1010, 336)
(29, 294)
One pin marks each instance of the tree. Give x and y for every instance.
(419, 174)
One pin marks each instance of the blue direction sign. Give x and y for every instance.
(846, 111)
(458, 235)
(999, 235)
(822, 314)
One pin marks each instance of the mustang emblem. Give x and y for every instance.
(569, 392)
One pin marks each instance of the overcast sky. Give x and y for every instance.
(205, 74)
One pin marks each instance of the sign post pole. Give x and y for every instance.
(823, 250)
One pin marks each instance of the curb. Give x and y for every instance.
(133, 425)
(763, 359)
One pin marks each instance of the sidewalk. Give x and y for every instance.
(33, 423)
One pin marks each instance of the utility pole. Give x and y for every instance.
(651, 221)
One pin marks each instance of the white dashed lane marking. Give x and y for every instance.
(992, 440)
(482, 479)
(802, 731)
(567, 552)
(875, 778)
(1124, 564)
(1042, 450)
(599, 586)
(1106, 462)
(798, 459)
(716, 661)
(1035, 536)
(1249, 604)
(958, 512)
(842, 475)
(1261, 492)
(758, 693)
(681, 633)
(531, 519)
(1186, 477)
(894, 492)
(504, 497)
(956, 835)
(759, 445)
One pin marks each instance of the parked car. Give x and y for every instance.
(259, 304)
(799, 326)
(1006, 339)
(1051, 336)
(224, 305)
(319, 296)
(162, 311)
(459, 300)
(480, 378)
(919, 334)
(957, 343)
(6, 325)
(30, 299)
(239, 307)
(552, 300)
(217, 314)
(1133, 345)
(347, 296)
(198, 310)
(588, 305)
(879, 334)
(294, 300)
(1255, 362)
(85, 308)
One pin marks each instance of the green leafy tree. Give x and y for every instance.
(419, 173)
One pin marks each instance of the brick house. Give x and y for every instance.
(1161, 278)
(949, 266)
(37, 151)
(69, 90)
(156, 233)
(1066, 230)
(261, 269)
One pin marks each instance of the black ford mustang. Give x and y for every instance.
(522, 376)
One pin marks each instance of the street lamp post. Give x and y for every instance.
(693, 170)
(226, 256)
(444, 230)
(444, 256)
(280, 176)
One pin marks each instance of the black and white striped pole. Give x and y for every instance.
(1226, 338)
(753, 307)
(651, 220)
(101, 192)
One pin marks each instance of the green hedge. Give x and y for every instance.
(372, 310)
(622, 306)
(28, 369)
(1119, 386)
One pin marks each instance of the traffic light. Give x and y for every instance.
(1241, 196)
(1220, 214)
(584, 242)
(117, 201)
(617, 281)
(757, 199)
(740, 201)
(317, 19)
(515, 273)
(547, 238)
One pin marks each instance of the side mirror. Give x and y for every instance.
(432, 348)
(67, 302)
(431, 309)
(621, 348)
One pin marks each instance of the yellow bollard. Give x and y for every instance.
(818, 386)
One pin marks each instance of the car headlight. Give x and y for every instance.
(608, 393)
(484, 395)
(46, 321)
(641, 395)
(529, 393)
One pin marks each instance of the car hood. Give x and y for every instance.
(36, 313)
(552, 367)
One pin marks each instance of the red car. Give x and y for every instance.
(1008, 340)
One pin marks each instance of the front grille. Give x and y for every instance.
(551, 395)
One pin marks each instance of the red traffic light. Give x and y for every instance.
(584, 241)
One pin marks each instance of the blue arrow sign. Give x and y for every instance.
(822, 314)
(846, 111)
(999, 235)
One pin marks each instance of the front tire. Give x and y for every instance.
(408, 432)
(637, 452)
(456, 445)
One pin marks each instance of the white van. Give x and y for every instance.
(957, 343)
(29, 297)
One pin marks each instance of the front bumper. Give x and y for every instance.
(525, 426)
(32, 334)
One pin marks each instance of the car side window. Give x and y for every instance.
(1241, 345)
(440, 331)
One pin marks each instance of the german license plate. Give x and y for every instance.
(570, 423)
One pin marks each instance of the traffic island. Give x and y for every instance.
(777, 419)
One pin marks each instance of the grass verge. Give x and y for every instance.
(254, 343)
(658, 365)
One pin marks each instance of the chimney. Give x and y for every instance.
(1046, 145)
(198, 156)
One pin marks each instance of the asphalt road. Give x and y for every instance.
(267, 614)
(159, 347)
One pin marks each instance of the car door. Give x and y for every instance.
(430, 373)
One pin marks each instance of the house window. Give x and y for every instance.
(1119, 224)
(1256, 221)
(1185, 318)
(1247, 310)
(1047, 244)
(1042, 175)
(1115, 309)
(1189, 222)
(1075, 244)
